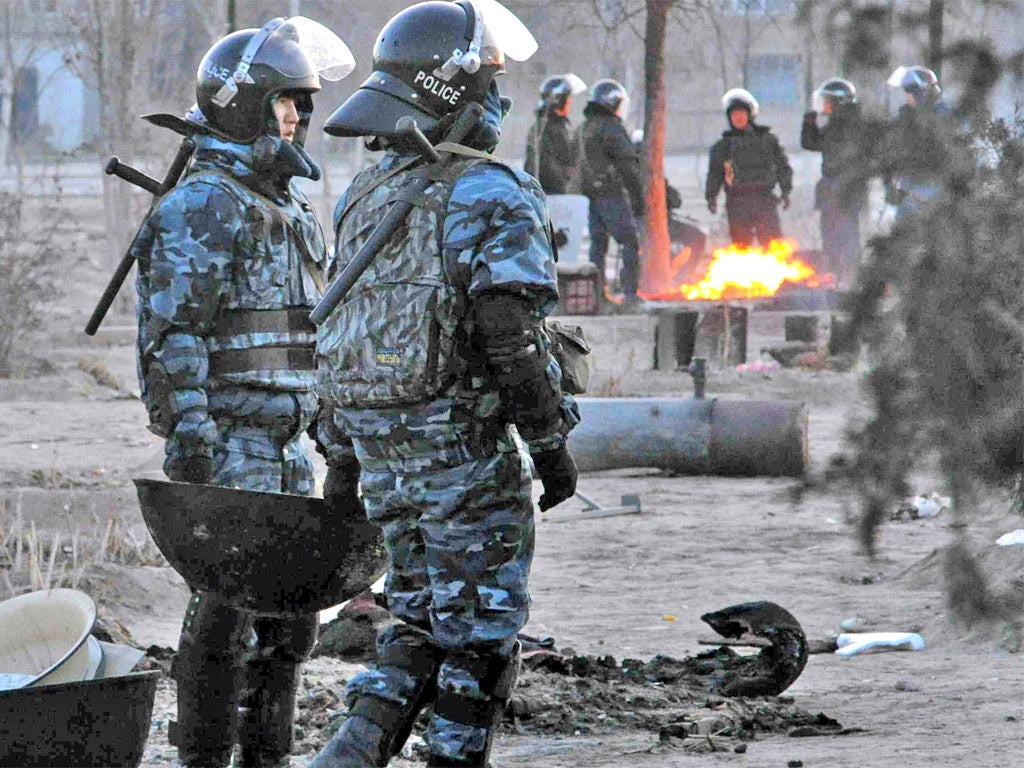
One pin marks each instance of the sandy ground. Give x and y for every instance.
(628, 586)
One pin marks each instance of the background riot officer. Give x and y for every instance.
(922, 152)
(229, 267)
(842, 190)
(749, 162)
(432, 357)
(552, 152)
(612, 181)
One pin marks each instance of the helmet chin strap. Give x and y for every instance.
(468, 61)
(227, 92)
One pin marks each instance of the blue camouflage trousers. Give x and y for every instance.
(259, 440)
(459, 533)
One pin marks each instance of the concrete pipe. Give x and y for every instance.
(692, 437)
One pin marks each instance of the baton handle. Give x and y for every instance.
(393, 219)
(115, 167)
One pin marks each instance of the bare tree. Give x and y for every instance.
(105, 52)
(26, 39)
(656, 272)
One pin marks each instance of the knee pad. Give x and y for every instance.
(496, 677)
(395, 720)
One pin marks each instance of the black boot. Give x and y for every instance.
(268, 711)
(273, 672)
(209, 672)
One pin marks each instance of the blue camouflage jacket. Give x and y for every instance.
(222, 244)
(494, 236)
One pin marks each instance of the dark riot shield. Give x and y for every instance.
(266, 552)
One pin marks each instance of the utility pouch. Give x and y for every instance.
(571, 351)
(159, 400)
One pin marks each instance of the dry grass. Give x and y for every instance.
(30, 560)
(98, 370)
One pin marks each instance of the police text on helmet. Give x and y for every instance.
(438, 87)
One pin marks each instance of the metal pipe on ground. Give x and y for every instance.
(692, 437)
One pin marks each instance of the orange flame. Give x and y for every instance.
(738, 272)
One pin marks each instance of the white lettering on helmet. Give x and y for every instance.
(220, 73)
(437, 87)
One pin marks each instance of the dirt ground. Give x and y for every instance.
(72, 435)
(630, 586)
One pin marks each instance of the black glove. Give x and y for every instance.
(712, 205)
(557, 471)
(341, 489)
(192, 469)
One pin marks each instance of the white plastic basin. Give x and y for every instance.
(45, 638)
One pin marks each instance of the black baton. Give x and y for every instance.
(115, 167)
(394, 218)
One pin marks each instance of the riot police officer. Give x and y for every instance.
(749, 162)
(612, 181)
(842, 190)
(552, 152)
(921, 155)
(438, 377)
(230, 263)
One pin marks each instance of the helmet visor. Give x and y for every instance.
(504, 34)
(323, 50)
(576, 85)
(896, 78)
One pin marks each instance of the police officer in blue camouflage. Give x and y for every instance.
(230, 263)
(438, 376)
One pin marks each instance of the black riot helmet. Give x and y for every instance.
(556, 90)
(840, 91)
(429, 61)
(241, 74)
(610, 94)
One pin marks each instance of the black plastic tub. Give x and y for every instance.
(100, 723)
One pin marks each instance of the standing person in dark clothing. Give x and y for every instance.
(552, 152)
(842, 190)
(748, 161)
(612, 182)
(922, 154)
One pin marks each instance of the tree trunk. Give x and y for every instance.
(655, 275)
(936, 8)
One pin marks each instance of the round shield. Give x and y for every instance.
(266, 552)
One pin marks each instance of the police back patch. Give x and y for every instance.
(392, 357)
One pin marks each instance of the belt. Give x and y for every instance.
(291, 358)
(233, 322)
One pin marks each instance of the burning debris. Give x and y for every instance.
(748, 272)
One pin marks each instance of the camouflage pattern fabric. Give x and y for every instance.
(213, 244)
(459, 533)
(210, 245)
(444, 472)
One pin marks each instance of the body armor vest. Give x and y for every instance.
(752, 157)
(263, 324)
(398, 339)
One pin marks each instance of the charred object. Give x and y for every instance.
(771, 671)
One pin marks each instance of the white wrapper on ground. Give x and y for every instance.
(855, 643)
(1013, 538)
